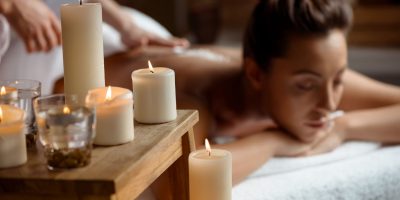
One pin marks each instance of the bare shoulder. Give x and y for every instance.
(361, 92)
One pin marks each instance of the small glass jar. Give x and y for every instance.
(26, 92)
(65, 130)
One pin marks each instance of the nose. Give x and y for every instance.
(327, 100)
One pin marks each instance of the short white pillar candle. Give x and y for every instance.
(12, 137)
(210, 174)
(154, 95)
(114, 115)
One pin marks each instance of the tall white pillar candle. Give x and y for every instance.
(210, 174)
(12, 137)
(154, 95)
(83, 57)
(114, 115)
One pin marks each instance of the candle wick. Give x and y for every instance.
(152, 71)
(209, 153)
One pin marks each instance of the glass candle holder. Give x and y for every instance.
(8, 95)
(27, 91)
(65, 130)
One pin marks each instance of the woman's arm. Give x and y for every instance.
(378, 124)
(361, 92)
(251, 152)
(373, 109)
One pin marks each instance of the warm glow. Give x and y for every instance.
(150, 66)
(66, 110)
(1, 115)
(108, 93)
(3, 90)
(208, 148)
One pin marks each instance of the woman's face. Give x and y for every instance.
(305, 85)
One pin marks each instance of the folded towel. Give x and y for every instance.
(369, 175)
(345, 151)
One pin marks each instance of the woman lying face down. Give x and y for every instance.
(293, 76)
(276, 101)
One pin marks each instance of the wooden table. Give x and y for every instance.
(118, 172)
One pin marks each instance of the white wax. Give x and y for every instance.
(210, 177)
(12, 137)
(114, 118)
(154, 95)
(82, 37)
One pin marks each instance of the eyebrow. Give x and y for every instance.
(306, 71)
(310, 72)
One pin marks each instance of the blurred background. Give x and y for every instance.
(374, 40)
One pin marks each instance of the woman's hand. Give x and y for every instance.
(333, 138)
(35, 23)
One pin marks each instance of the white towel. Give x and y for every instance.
(345, 151)
(374, 174)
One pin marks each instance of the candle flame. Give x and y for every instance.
(66, 110)
(108, 93)
(208, 147)
(1, 115)
(3, 90)
(150, 66)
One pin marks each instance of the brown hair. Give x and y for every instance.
(274, 21)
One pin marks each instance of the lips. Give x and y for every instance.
(316, 124)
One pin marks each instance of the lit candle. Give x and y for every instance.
(114, 115)
(82, 37)
(12, 137)
(8, 95)
(210, 174)
(154, 94)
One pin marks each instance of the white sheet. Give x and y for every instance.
(366, 172)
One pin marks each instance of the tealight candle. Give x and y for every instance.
(210, 174)
(65, 131)
(12, 137)
(154, 95)
(83, 57)
(8, 95)
(114, 115)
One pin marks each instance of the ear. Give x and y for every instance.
(253, 72)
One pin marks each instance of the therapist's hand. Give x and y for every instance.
(35, 23)
(133, 36)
